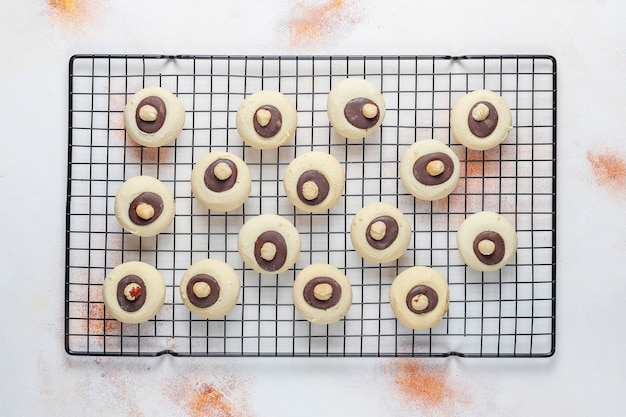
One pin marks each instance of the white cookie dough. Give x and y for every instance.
(314, 181)
(154, 117)
(210, 288)
(365, 111)
(429, 170)
(322, 294)
(495, 123)
(269, 244)
(380, 233)
(419, 297)
(486, 241)
(133, 292)
(221, 181)
(266, 119)
(144, 206)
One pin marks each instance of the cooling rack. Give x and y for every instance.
(509, 313)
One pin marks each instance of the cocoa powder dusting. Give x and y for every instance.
(609, 169)
(425, 385)
(481, 163)
(70, 12)
(227, 397)
(97, 325)
(209, 401)
(314, 23)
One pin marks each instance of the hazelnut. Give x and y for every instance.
(378, 230)
(263, 116)
(132, 291)
(480, 112)
(323, 291)
(222, 171)
(268, 251)
(310, 190)
(435, 167)
(145, 211)
(370, 110)
(419, 302)
(486, 247)
(148, 113)
(201, 289)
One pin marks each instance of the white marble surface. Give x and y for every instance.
(586, 375)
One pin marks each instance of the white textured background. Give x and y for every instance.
(585, 377)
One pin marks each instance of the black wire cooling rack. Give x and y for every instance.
(499, 314)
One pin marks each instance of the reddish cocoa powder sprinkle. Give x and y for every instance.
(210, 401)
(70, 12)
(609, 169)
(312, 24)
(97, 325)
(425, 386)
(481, 163)
(422, 384)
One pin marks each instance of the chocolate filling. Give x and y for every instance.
(498, 253)
(354, 113)
(390, 234)
(425, 290)
(281, 250)
(126, 304)
(210, 299)
(215, 184)
(422, 175)
(149, 198)
(485, 127)
(272, 128)
(320, 180)
(309, 293)
(155, 125)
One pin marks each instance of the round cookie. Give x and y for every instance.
(486, 241)
(322, 294)
(144, 206)
(154, 117)
(314, 181)
(210, 288)
(480, 120)
(429, 170)
(380, 233)
(419, 297)
(133, 292)
(356, 108)
(269, 244)
(266, 119)
(221, 181)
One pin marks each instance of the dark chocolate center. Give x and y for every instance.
(354, 113)
(323, 187)
(126, 304)
(209, 300)
(422, 175)
(498, 253)
(274, 125)
(309, 293)
(281, 250)
(391, 233)
(426, 291)
(215, 184)
(485, 127)
(155, 125)
(149, 198)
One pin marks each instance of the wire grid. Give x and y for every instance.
(499, 314)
